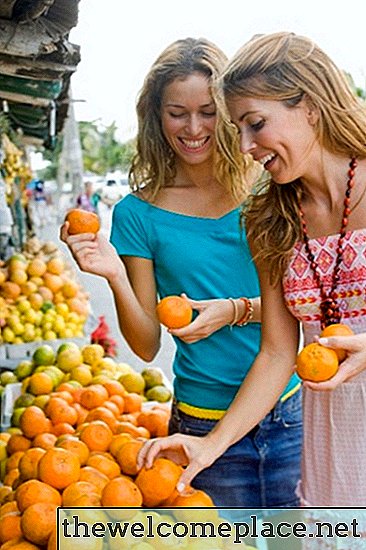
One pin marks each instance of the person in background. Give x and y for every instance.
(41, 216)
(179, 232)
(87, 200)
(297, 115)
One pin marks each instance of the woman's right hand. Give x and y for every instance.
(197, 453)
(93, 253)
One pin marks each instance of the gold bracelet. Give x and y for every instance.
(235, 306)
(249, 311)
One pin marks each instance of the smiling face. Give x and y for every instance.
(188, 116)
(280, 137)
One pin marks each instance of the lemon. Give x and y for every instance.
(24, 400)
(8, 377)
(82, 374)
(23, 369)
(3, 453)
(92, 354)
(15, 417)
(158, 393)
(49, 335)
(124, 368)
(133, 382)
(69, 358)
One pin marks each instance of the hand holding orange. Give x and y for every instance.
(174, 312)
(318, 363)
(82, 221)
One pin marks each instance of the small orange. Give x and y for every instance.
(337, 329)
(174, 312)
(158, 482)
(81, 221)
(316, 363)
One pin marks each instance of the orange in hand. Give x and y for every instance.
(316, 363)
(82, 221)
(174, 312)
(338, 329)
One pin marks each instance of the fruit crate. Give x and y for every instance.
(10, 394)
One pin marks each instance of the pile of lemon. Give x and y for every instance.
(40, 300)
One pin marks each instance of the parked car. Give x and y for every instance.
(113, 191)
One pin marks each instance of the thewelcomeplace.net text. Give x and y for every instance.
(237, 530)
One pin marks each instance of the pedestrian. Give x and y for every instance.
(297, 115)
(179, 232)
(41, 214)
(87, 200)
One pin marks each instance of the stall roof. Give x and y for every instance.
(36, 64)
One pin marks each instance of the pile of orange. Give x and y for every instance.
(174, 312)
(81, 450)
(318, 363)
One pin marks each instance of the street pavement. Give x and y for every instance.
(101, 298)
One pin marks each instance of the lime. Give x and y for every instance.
(159, 393)
(152, 376)
(132, 382)
(44, 355)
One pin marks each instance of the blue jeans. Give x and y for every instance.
(259, 471)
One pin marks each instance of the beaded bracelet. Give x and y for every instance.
(248, 315)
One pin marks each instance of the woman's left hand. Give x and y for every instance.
(213, 315)
(355, 362)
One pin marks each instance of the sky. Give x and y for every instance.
(120, 40)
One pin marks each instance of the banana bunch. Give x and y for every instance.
(12, 164)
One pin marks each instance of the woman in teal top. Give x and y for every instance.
(179, 232)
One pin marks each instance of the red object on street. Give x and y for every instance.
(101, 336)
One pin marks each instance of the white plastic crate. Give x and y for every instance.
(8, 398)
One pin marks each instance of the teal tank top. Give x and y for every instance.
(205, 258)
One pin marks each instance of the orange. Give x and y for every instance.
(127, 457)
(81, 221)
(132, 402)
(93, 396)
(34, 421)
(121, 491)
(156, 421)
(174, 312)
(38, 522)
(59, 467)
(74, 445)
(118, 441)
(102, 413)
(95, 477)
(105, 465)
(10, 290)
(10, 526)
(135, 431)
(34, 491)
(73, 492)
(36, 267)
(44, 440)
(97, 435)
(338, 329)
(55, 265)
(28, 464)
(192, 497)
(17, 442)
(158, 482)
(40, 383)
(13, 461)
(316, 363)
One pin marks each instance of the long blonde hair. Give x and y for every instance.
(154, 164)
(286, 67)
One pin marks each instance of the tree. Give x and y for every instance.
(102, 151)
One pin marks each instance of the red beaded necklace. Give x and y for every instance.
(329, 309)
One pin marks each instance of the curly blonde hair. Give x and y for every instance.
(286, 67)
(154, 164)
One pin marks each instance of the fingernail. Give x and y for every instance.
(180, 487)
(323, 341)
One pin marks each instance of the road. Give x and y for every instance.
(102, 301)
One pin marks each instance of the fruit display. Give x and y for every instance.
(317, 363)
(75, 436)
(40, 298)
